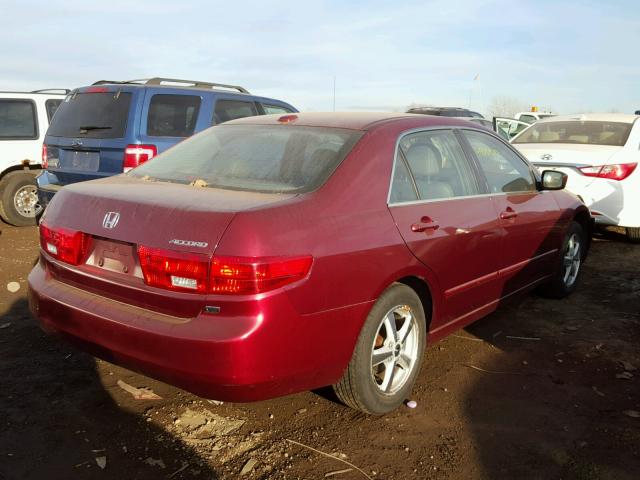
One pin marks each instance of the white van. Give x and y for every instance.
(24, 119)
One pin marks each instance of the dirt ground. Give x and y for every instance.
(560, 403)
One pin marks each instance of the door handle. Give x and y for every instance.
(424, 224)
(508, 214)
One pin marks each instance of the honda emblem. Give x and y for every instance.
(110, 220)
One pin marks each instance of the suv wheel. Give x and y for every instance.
(633, 234)
(388, 354)
(19, 203)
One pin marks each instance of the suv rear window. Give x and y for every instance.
(17, 120)
(256, 158)
(92, 115)
(172, 115)
(231, 109)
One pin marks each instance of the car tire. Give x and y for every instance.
(567, 274)
(19, 199)
(395, 330)
(633, 234)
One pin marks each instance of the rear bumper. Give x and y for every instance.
(48, 186)
(610, 202)
(233, 358)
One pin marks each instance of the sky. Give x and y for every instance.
(570, 56)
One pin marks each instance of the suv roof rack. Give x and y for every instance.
(52, 90)
(175, 82)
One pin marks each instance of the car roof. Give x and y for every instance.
(592, 117)
(351, 120)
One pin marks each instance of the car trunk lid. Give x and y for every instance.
(122, 213)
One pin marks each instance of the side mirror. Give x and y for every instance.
(553, 180)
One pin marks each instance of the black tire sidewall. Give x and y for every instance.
(369, 395)
(9, 185)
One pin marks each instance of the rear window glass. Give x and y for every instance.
(172, 115)
(92, 115)
(588, 133)
(255, 158)
(17, 120)
(52, 106)
(231, 109)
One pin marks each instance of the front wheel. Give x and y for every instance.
(565, 278)
(633, 234)
(388, 354)
(19, 203)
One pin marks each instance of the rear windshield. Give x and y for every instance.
(92, 115)
(587, 133)
(257, 158)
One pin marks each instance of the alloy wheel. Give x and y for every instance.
(395, 349)
(572, 260)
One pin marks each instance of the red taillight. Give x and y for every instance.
(190, 272)
(183, 272)
(135, 155)
(65, 245)
(96, 90)
(45, 160)
(246, 275)
(611, 172)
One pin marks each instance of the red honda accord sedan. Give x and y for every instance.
(271, 255)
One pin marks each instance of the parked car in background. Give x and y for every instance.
(445, 112)
(276, 254)
(532, 116)
(111, 127)
(508, 128)
(600, 154)
(24, 118)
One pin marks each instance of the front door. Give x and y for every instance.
(438, 205)
(530, 218)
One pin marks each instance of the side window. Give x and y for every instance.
(231, 109)
(172, 115)
(17, 120)
(504, 170)
(402, 189)
(272, 109)
(527, 118)
(438, 165)
(51, 105)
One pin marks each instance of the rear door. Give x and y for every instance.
(447, 220)
(87, 135)
(530, 218)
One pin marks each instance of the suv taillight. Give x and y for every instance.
(611, 172)
(45, 160)
(65, 245)
(135, 155)
(190, 272)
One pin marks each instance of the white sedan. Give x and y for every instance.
(600, 155)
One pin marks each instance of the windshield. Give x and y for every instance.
(92, 115)
(587, 133)
(258, 158)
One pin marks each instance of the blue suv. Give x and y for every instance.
(111, 127)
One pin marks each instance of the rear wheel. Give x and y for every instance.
(633, 234)
(19, 203)
(565, 279)
(388, 354)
